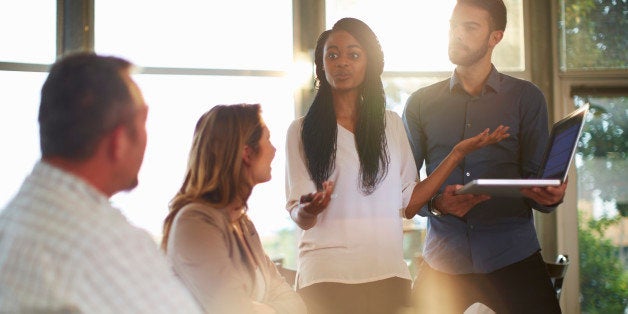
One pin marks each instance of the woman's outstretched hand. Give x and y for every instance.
(482, 139)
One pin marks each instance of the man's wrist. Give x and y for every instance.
(431, 206)
(547, 207)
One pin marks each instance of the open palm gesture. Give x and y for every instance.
(482, 139)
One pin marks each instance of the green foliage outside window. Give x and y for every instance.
(604, 138)
(283, 246)
(595, 34)
(603, 280)
(603, 153)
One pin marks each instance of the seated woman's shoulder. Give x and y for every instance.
(200, 211)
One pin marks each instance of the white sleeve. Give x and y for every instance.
(298, 180)
(409, 174)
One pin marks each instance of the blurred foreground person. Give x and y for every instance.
(63, 247)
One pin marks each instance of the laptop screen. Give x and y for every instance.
(563, 141)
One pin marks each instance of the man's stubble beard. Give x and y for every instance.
(468, 58)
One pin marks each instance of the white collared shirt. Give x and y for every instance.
(64, 248)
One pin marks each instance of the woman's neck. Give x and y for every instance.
(346, 108)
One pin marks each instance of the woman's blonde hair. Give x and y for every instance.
(214, 173)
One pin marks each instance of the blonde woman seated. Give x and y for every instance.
(208, 237)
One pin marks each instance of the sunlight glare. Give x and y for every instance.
(413, 38)
(301, 73)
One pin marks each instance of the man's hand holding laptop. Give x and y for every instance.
(457, 205)
(546, 196)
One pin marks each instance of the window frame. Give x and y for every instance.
(565, 83)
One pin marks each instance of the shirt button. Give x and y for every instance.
(468, 174)
(471, 227)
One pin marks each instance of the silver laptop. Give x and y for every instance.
(557, 158)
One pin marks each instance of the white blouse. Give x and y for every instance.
(358, 238)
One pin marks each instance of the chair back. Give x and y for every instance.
(288, 274)
(557, 272)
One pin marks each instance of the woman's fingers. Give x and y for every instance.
(497, 135)
(315, 203)
(500, 133)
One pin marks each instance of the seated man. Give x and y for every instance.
(63, 247)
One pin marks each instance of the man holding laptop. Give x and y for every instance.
(557, 156)
(481, 248)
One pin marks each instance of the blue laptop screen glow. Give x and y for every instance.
(560, 154)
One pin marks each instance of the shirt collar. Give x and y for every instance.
(492, 83)
(66, 181)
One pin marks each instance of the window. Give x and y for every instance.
(414, 34)
(197, 34)
(28, 40)
(176, 102)
(602, 164)
(195, 55)
(593, 34)
(28, 45)
(19, 131)
(592, 61)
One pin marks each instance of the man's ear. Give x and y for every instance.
(117, 143)
(495, 37)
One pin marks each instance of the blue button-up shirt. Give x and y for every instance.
(500, 231)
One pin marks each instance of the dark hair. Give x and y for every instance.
(84, 97)
(495, 8)
(319, 125)
(214, 173)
